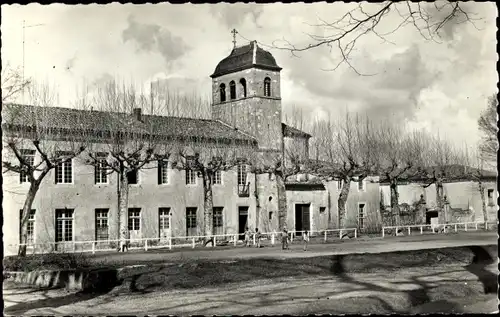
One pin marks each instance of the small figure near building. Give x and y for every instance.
(257, 237)
(305, 237)
(284, 239)
(247, 237)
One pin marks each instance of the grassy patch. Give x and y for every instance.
(48, 261)
(209, 273)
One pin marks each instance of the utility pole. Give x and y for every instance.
(24, 27)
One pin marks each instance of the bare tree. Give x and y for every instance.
(488, 126)
(399, 159)
(166, 101)
(444, 162)
(127, 142)
(344, 151)
(474, 168)
(13, 83)
(207, 158)
(36, 142)
(342, 34)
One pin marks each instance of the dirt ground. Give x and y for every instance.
(457, 279)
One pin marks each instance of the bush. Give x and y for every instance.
(47, 261)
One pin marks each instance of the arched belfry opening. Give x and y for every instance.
(243, 84)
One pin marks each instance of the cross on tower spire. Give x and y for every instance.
(234, 37)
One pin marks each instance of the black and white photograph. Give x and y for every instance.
(236, 159)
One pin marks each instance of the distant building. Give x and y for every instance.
(463, 197)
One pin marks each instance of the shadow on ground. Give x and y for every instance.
(391, 297)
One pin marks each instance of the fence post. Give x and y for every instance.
(383, 232)
(170, 243)
(485, 225)
(421, 230)
(215, 241)
(193, 243)
(146, 245)
(465, 227)
(355, 233)
(272, 238)
(254, 239)
(456, 227)
(340, 234)
(93, 247)
(409, 231)
(235, 239)
(325, 234)
(476, 225)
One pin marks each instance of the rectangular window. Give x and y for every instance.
(217, 220)
(64, 225)
(217, 178)
(191, 224)
(133, 177)
(101, 224)
(29, 157)
(490, 197)
(361, 216)
(101, 169)
(162, 172)
(190, 177)
(164, 214)
(361, 185)
(134, 219)
(242, 174)
(30, 226)
(64, 170)
(322, 210)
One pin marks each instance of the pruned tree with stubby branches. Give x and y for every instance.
(344, 151)
(36, 142)
(209, 158)
(399, 158)
(127, 142)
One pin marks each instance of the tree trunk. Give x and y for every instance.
(440, 200)
(483, 202)
(123, 210)
(208, 206)
(257, 204)
(281, 192)
(329, 206)
(344, 193)
(34, 186)
(395, 203)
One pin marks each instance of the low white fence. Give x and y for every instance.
(445, 227)
(179, 242)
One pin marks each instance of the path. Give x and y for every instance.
(342, 247)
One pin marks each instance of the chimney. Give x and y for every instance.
(137, 114)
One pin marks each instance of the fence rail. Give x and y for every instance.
(456, 226)
(94, 246)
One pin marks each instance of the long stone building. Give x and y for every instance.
(76, 203)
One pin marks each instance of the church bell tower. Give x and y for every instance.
(246, 94)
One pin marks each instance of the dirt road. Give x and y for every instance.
(453, 288)
(345, 247)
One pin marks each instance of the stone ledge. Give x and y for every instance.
(79, 279)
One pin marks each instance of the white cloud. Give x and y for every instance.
(425, 84)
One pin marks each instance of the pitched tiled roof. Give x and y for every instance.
(243, 57)
(67, 118)
(291, 131)
(454, 172)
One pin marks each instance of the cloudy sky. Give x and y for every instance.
(423, 84)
